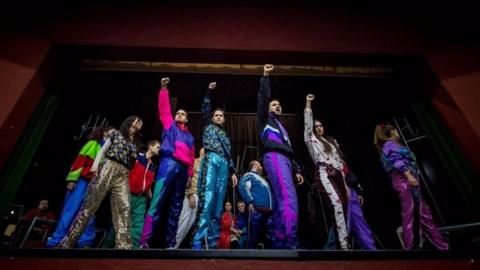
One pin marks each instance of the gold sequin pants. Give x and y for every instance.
(113, 178)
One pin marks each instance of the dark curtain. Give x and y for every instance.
(12, 177)
(242, 129)
(458, 169)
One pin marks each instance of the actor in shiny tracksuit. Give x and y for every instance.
(400, 163)
(212, 177)
(79, 176)
(176, 166)
(279, 163)
(120, 151)
(256, 193)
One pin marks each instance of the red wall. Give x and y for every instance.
(21, 85)
(275, 29)
(32, 263)
(458, 95)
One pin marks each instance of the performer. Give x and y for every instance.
(140, 181)
(328, 172)
(241, 225)
(189, 209)
(256, 193)
(213, 175)
(39, 229)
(176, 166)
(356, 222)
(121, 152)
(400, 163)
(228, 233)
(279, 163)
(77, 182)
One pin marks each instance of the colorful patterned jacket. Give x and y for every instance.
(397, 157)
(141, 176)
(215, 139)
(176, 139)
(84, 161)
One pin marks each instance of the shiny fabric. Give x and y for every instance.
(417, 220)
(193, 186)
(113, 179)
(141, 175)
(168, 194)
(84, 161)
(285, 210)
(357, 225)
(254, 189)
(186, 220)
(138, 206)
(332, 184)
(273, 135)
(212, 187)
(176, 139)
(226, 223)
(71, 205)
(122, 150)
(214, 137)
(397, 157)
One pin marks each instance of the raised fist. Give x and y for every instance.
(268, 68)
(310, 97)
(165, 81)
(212, 85)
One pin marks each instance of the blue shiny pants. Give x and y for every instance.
(170, 183)
(212, 186)
(71, 205)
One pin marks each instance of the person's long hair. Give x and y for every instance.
(327, 141)
(125, 129)
(383, 133)
(97, 133)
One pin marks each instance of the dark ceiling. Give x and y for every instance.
(447, 20)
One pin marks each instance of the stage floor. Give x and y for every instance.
(106, 259)
(294, 255)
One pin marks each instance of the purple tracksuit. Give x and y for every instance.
(417, 220)
(279, 164)
(176, 165)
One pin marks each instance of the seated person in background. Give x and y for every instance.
(40, 230)
(41, 211)
(241, 224)
(228, 233)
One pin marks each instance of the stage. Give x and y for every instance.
(235, 259)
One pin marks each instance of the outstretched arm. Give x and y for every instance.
(308, 118)
(207, 105)
(263, 97)
(164, 109)
(100, 155)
